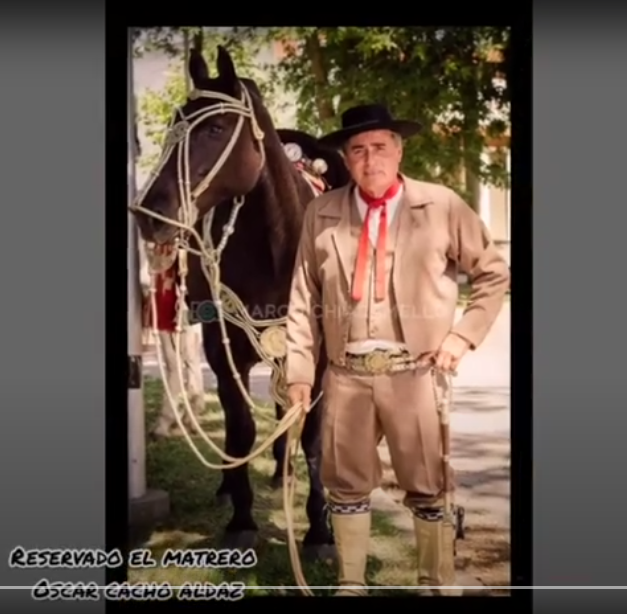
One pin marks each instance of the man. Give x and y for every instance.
(376, 280)
(192, 386)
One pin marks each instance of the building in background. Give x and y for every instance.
(495, 211)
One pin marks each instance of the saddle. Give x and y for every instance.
(312, 170)
(322, 168)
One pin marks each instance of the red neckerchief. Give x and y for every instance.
(362, 254)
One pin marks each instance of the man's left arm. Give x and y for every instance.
(488, 273)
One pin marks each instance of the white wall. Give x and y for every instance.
(495, 211)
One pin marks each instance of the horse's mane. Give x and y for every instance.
(285, 192)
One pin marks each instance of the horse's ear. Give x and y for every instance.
(226, 68)
(198, 69)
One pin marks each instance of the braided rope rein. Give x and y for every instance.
(228, 306)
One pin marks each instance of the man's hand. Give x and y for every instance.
(449, 355)
(300, 393)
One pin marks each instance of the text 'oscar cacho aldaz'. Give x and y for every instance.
(80, 559)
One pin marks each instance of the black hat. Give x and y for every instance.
(365, 118)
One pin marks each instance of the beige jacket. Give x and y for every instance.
(439, 234)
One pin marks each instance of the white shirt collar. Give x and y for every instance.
(391, 206)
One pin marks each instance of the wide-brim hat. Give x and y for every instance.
(365, 118)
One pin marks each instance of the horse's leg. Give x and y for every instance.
(193, 369)
(223, 492)
(318, 541)
(278, 452)
(167, 419)
(241, 531)
(214, 353)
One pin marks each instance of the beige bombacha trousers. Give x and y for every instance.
(359, 410)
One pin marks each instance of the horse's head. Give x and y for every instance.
(213, 152)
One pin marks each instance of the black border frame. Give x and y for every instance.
(521, 302)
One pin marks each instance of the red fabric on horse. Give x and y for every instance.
(165, 296)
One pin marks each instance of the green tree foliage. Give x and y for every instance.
(442, 77)
(155, 107)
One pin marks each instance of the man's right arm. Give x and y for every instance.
(303, 324)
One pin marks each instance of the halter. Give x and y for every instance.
(268, 335)
(178, 138)
(270, 344)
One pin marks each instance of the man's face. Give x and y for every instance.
(373, 159)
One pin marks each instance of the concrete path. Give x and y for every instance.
(480, 426)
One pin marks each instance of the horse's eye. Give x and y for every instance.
(214, 130)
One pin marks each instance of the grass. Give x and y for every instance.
(196, 521)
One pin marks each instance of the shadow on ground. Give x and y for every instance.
(482, 400)
(482, 474)
(482, 470)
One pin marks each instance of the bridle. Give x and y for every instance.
(270, 343)
(178, 139)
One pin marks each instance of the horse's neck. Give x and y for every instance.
(284, 194)
(280, 188)
(275, 206)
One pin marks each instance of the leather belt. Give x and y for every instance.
(379, 362)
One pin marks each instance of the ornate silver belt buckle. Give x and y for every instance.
(377, 363)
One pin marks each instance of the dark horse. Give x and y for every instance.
(257, 264)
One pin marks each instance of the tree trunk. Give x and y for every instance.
(471, 158)
(199, 40)
(314, 53)
(473, 188)
(472, 138)
(186, 61)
